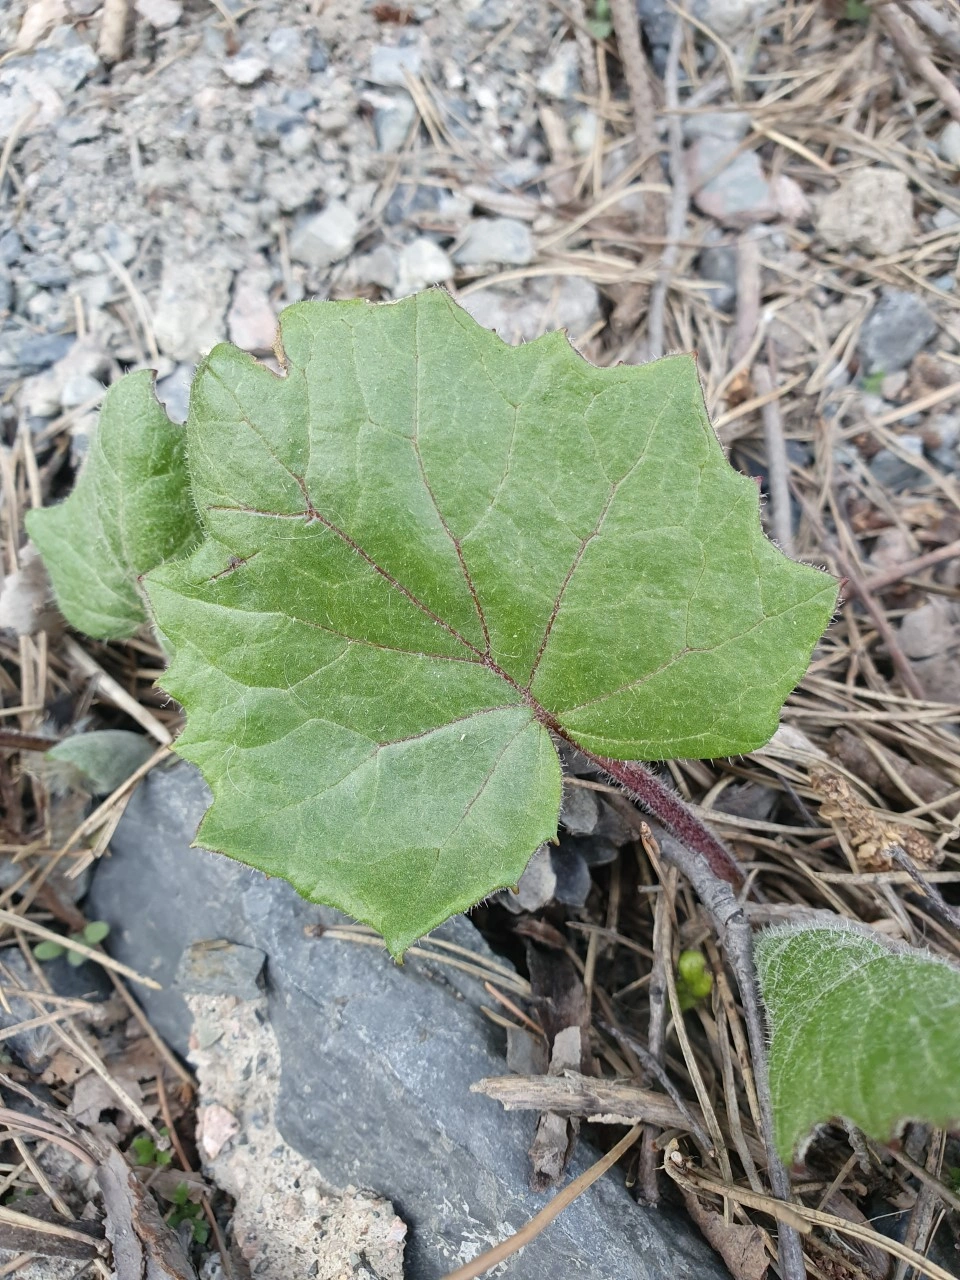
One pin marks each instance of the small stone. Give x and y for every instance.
(78, 389)
(161, 14)
(732, 125)
(871, 211)
(892, 471)
(897, 328)
(220, 968)
(269, 123)
(85, 262)
(736, 196)
(39, 351)
(421, 263)
(579, 811)
(11, 247)
(379, 267)
(408, 200)
(500, 240)
(948, 144)
(189, 314)
(251, 320)
(944, 218)
(319, 57)
(173, 392)
(246, 67)
(596, 851)
(393, 117)
(286, 47)
(490, 15)
(717, 264)
(65, 69)
(942, 436)
(390, 65)
(297, 142)
(119, 243)
(727, 17)
(550, 302)
(573, 877)
(583, 133)
(657, 20)
(326, 237)
(299, 100)
(6, 291)
(893, 384)
(48, 271)
(216, 1126)
(83, 128)
(537, 884)
(560, 78)
(789, 198)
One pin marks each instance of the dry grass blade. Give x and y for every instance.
(487, 1261)
(23, 924)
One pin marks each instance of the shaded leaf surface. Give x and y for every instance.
(100, 760)
(861, 1029)
(130, 509)
(424, 553)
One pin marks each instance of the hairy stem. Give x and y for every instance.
(663, 803)
(733, 929)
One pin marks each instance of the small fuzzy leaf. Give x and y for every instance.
(130, 509)
(425, 553)
(75, 959)
(861, 1028)
(48, 950)
(100, 761)
(95, 932)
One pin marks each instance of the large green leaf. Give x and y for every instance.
(862, 1029)
(131, 508)
(425, 552)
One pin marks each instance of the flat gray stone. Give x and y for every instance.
(377, 1059)
(897, 328)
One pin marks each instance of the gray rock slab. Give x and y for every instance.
(376, 1059)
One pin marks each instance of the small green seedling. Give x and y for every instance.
(694, 979)
(92, 933)
(147, 1154)
(600, 23)
(187, 1210)
(857, 11)
(872, 383)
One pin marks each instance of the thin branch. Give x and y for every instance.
(677, 216)
(646, 789)
(907, 40)
(733, 929)
(777, 461)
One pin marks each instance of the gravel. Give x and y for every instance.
(496, 240)
(898, 327)
(325, 237)
(871, 211)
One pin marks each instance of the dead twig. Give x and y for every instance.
(797, 1217)
(908, 568)
(907, 40)
(113, 28)
(677, 215)
(777, 461)
(733, 930)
